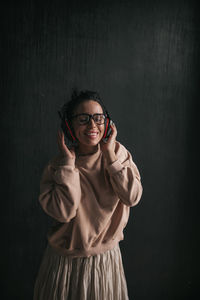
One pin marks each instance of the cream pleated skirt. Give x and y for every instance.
(98, 277)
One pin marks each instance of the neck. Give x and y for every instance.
(87, 150)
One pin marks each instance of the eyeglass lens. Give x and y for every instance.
(84, 119)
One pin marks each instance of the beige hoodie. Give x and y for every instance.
(89, 201)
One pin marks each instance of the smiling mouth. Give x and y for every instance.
(92, 135)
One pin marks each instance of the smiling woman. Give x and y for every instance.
(88, 190)
(88, 130)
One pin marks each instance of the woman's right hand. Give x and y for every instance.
(64, 150)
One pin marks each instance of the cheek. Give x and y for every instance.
(80, 131)
(77, 131)
(102, 130)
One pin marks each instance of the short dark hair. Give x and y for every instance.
(77, 98)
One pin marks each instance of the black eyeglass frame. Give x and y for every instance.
(90, 116)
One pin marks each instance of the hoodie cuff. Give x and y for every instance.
(115, 167)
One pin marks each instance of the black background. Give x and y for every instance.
(143, 58)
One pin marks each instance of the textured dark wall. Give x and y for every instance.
(142, 56)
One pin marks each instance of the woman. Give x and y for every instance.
(88, 190)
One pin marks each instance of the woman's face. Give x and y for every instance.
(88, 142)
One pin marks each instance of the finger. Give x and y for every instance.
(114, 131)
(59, 132)
(59, 144)
(60, 141)
(113, 126)
(59, 136)
(62, 138)
(112, 138)
(112, 123)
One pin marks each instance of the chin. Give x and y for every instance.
(90, 143)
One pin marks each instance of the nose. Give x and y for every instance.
(92, 123)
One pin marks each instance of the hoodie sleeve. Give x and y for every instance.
(125, 177)
(60, 190)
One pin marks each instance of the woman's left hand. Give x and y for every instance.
(109, 146)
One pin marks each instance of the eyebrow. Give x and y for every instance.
(88, 114)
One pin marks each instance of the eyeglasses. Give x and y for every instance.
(83, 119)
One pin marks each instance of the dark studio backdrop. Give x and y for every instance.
(142, 57)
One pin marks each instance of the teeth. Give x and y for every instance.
(91, 133)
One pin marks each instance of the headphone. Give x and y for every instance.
(69, 132)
